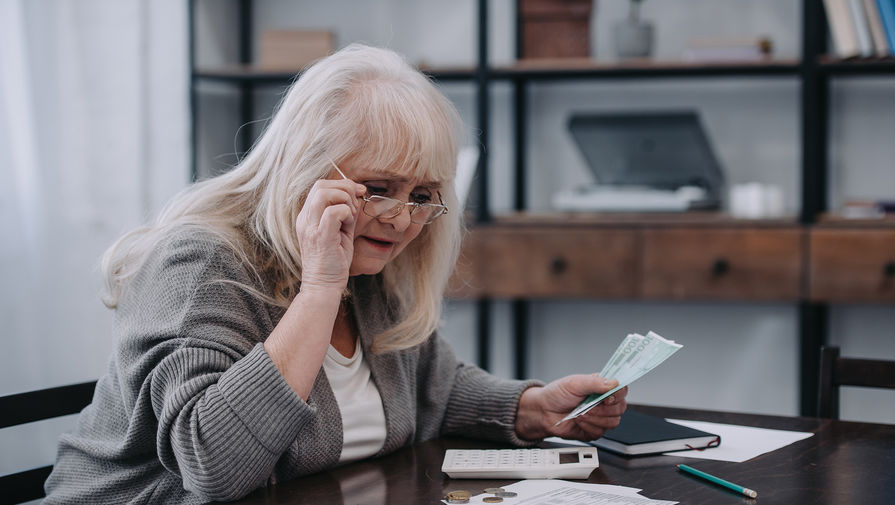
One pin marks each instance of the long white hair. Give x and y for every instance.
(361, 103)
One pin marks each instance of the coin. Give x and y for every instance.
(492, 499)
(493, 490)
(458, 496)
(506, 494)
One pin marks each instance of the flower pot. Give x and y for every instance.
(633, 38)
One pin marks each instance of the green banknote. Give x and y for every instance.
(634, 358)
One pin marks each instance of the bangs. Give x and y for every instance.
(398, 130)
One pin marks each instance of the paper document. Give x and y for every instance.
(634, 357)
(561, 492)
(741, 443)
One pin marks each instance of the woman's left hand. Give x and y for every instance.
(540, 408)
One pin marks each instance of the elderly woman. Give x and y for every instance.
(281, 319)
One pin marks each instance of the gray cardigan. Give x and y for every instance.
(191, 408)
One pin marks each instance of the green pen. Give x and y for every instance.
(721, 482)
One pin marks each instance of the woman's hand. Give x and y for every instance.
(325, 230)
(540, 408)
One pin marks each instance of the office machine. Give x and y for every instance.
(644, 161)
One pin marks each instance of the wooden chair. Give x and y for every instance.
(32, 406)
(837, 371)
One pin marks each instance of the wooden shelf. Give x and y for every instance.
(856, 66)
(584, 68)
(838, 221)
(688, 256)
(259, 75)
(636, 219)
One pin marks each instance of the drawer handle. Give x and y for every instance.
(720, 267)
(889, 269)
(558, 265)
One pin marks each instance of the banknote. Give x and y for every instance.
(635, 357)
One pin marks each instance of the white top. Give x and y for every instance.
(363, 419)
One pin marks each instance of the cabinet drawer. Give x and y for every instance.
(852, 265)
(734, 264)
(544, 262)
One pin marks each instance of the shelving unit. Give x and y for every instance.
(804, 239)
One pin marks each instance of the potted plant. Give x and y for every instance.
(633, 36)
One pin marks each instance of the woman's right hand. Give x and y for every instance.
(325, 230)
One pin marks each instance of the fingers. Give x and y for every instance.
(583, 385)
(327, 193)
(337, 218)
(598, 420)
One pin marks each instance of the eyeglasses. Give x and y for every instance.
(383, 207)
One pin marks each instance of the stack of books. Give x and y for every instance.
(862, 28)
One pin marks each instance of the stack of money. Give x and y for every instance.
(634, 357)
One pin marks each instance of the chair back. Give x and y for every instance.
(837, 371)
(33, 406)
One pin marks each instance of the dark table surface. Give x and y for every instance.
(843, 463)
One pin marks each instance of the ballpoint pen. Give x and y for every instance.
(721, 482)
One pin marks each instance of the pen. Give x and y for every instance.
(711, 478)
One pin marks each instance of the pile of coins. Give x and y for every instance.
(459, 496)
(499, 494)
(462, 496)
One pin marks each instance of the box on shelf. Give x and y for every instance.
(555, 28)
(293, 49)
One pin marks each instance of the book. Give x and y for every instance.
(845, 41)
(877, 31)
(640, 434)
(862, 30)
(887, 14)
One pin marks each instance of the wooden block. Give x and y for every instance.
(555, 39)
(555, 28)
(294, 49)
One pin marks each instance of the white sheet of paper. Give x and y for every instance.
(563, 492)
(739, 443)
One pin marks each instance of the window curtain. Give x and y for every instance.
(94, 138)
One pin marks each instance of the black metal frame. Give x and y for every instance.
(814, 75)
(813, 317)
(836, 371)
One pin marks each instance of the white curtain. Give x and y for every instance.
(94, 137)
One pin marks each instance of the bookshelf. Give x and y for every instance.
(794, 249)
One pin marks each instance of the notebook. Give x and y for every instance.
(639, 433)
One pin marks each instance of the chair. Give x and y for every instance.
(837, 371)
(32, 406)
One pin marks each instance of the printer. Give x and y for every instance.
(644, 162)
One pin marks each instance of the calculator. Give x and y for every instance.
(560, 463)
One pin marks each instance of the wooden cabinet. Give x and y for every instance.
(852, 265)
(678, 262)
(632, 261)
(727, 264)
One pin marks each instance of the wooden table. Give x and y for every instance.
(843, 463)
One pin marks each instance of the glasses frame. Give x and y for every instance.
(398, 204)
(398, 207)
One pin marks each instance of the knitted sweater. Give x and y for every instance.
(192, 409)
